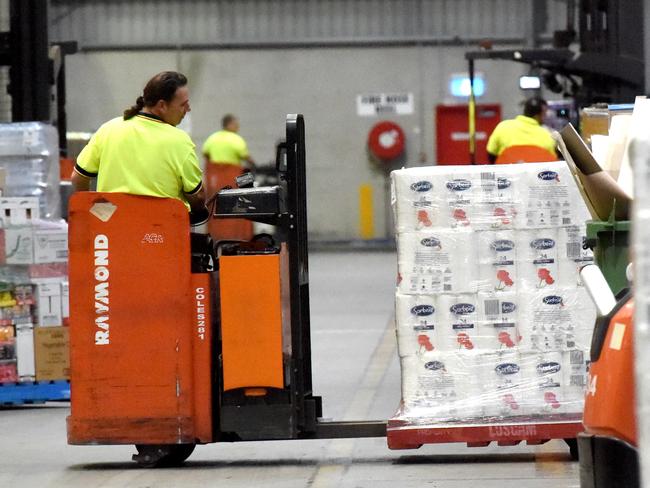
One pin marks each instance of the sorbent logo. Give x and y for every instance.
(503, 245)
(459, 185)
(421, 186)
(508, 307)
(422, 310)
(552, 300)
(434, 365)
(547, 175)
(503, 183)
(462, 308)
(430, 242)
(507, 368)
(547, 368)
(542, 244)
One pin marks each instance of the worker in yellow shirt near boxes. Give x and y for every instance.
(224, 152)
(143, 152)
(522, 139)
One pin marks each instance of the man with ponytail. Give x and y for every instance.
(143, 152)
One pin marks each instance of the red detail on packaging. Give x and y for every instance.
(504, 277)
(551, 399)
(424, 342)
(505, 339)
(461, 216)
(464, 341)
(545, 275)
(510, 401)
(423, 218)
(502, 214)
(8, 373)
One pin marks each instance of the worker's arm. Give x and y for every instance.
(196, 200)
(250, 163)
(80, 182)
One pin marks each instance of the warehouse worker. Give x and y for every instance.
(226, 156)
(143, 152)
(524, 130)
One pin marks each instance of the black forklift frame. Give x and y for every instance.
(304, 415)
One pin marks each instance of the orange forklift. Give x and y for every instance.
(177, 340)
(608, 447)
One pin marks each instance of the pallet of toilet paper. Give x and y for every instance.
(33, 293)
(493, 323)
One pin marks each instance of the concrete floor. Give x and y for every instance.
(356, 372)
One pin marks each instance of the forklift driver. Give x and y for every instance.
(143, 152)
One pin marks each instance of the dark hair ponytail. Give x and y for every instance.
(163, 86)
(133, 111)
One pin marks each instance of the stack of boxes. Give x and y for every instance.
(33, 294)
(492, 319)
(33, 256)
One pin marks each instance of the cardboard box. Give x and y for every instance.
(599, 190)
(50, 246)
(19, 245)
(25, 352)
(52, 353)
(48, 303)
(18, 210)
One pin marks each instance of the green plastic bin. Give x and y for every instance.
(610, 242)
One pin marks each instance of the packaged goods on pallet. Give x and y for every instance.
(29, 158)
(33, 296)
(493, 322)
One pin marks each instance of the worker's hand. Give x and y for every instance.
(199, 216)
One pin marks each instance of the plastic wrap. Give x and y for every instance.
(29, 155)
(493, 322)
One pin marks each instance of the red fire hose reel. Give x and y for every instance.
(386, 140)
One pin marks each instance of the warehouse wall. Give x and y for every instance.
(98, 24)
(261, 86)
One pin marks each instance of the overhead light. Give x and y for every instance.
(459, 85)
(530, 82)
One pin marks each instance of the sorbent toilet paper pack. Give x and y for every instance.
(537, 253)
(458, 329)
(498, 319)
(497, 255)
(437, 262)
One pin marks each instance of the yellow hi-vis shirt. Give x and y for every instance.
(225, 147)
(141, 156)
(520, 131)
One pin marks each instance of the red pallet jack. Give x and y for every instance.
(177, 340)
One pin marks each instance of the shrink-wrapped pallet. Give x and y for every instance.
(492, 320)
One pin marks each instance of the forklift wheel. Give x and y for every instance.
(573, 448)
(162, 455)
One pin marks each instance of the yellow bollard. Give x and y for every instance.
(366, 217)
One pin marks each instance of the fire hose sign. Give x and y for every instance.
(384, 103)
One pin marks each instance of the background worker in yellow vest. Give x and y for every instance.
(225, 153)
(523, 130)
(143, 152)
